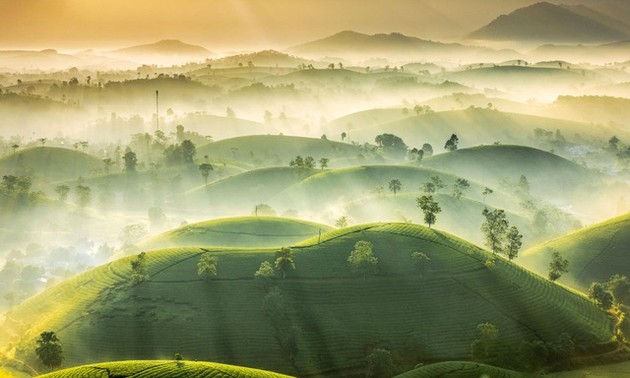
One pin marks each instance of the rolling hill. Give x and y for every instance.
(551, 23)
(595, 253)
(549, 175)
(461, 369)
(161, 369)
(474, 126)
(50, 163)
(254, 231)
(321, 320)
(220, 127)
(277, 150)
(170, 51)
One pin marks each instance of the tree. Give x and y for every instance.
(131, 161)
(205, 169)
(420, 261)
(395, 186)
(451, 143)
(139, 269)
(342, 222)
(207, 266)
(62, 191)
(427, 149)
(284, 261)
(323, 163)
(265, 273)
(459, 186)
(487, 191)
(437, 183)
(49, 349)
(132, 233)
(380, 364)
(430, 208)
(494, 229)
(428, 187)
(600, 295)
(514, 243)
(84, 195)
(264, 209)
(483, 346)
(523, 185)
(557, 266)
(362, 259)
(391, 143)
(343, 136)
(613, 143)
(619, 287)
(188, 151)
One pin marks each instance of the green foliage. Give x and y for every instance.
(132, 233)
(557, 266)
(131, 161)
(459, 187)
(262, 209)
(323, 163)
(362, 260)
(600, 295)
(205, 169)
(265, 273)
(395, 186)
(390, 143)
(451, 143)
(62, 191)
(139, 269)
(495, 229)
(619, 287)
(380, 364)
(514, 242)
(484, 346)
(84, 195)
(49, 349)
(207, 266)
(430, 208)
(284, 261)
(342, 222)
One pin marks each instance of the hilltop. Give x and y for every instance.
(335, 317)
(50, 163)
(595, 253)
(252, 231)
(461, 369)
(166, 47)
(545, 22)
(162, 368)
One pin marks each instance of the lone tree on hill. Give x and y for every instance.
(362, 259)
(207, 266)
(451, 143)
(205, 169)
(139, 269)
(323, 163)
(420, 262)
(557, 266)
(265, 273)
(284, 261)
(84, 195)
(619, 287)
(49, 349)
(494, 229)
(484, 346)
(395, 186)
(514, 243)
(342, 222)
(430, 208)
(62, 191)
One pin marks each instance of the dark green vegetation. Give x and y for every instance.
(461, 369)
(252, 231)
(595, 253)
(161, 368)
(334, 316)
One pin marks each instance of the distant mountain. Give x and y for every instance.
(546, 22)
(170, 49)
(612, 21)
(393, 46)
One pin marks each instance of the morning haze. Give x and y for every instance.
(314, 188)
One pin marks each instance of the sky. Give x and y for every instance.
(235, 24)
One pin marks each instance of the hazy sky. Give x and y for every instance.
(221, 24)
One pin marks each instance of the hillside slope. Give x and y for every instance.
(595, 253)
(326, 318)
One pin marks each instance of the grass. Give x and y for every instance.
(461, 369)
(161, 369)
(338, 317)
(594, 253)
(251, 231)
